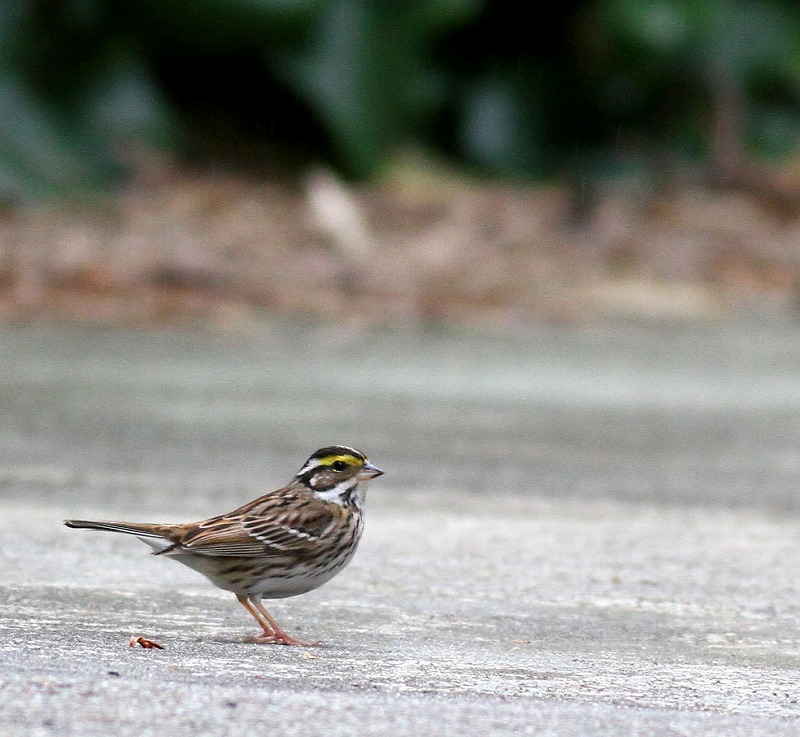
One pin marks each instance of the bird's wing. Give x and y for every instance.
(261, 531)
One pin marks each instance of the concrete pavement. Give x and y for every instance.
(585, 533)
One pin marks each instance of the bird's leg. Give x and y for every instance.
(278, 635)
(264, 623)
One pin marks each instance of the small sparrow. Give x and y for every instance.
(282, 544)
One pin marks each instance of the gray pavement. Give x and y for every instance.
(580, 532)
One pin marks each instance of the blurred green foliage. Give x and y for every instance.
(596, 85)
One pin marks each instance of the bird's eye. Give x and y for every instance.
(338, 465)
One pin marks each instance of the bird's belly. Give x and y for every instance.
(269, 578)
(280, 588)
(302, 577)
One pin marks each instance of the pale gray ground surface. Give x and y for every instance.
(579, 533)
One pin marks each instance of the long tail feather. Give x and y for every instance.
(140, 529)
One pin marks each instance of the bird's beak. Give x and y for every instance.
(368, 471)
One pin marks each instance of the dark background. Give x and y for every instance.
(425, 161)
(592, 88)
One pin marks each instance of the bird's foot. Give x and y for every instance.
(280, 637)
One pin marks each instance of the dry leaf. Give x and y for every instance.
(144, 642)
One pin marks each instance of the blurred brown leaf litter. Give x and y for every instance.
(199, 248)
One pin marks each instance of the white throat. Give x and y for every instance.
(342, 493)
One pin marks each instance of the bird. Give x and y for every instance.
(287, 542)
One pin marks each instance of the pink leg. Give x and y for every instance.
(268, 631)
(278, 635)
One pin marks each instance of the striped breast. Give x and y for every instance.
(286, 574)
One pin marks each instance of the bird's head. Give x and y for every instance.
(335, 471)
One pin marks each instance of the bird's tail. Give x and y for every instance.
(140, 529)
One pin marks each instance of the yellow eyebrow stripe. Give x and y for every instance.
(348, 459)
